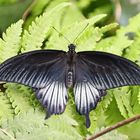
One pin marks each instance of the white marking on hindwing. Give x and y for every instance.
(86, 97)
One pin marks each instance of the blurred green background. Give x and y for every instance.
(117, 10)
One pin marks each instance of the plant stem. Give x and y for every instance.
(28, 10)
(119, 124)
(6, 133)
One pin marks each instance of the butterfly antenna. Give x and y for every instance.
(60, 34)
(80, 32)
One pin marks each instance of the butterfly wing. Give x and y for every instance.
(44, 71)
(34, 69)
(97, 72)
(86, 98)
(53, 97)
(107, 71)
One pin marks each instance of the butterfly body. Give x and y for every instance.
(52, 72)
(70, 70)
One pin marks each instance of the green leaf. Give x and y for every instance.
(6, 109)
(10, 44)
(19, 97)
(135, 91)
(112, 113)
(131, 130)
(133, 51)
(115, 44)
(139, 97)
(32, 126)
(108, 27)
(75, 30)
(123, 101)
(34, 37)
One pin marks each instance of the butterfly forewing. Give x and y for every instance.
(107, 71)
(34, 69)
(44, 71)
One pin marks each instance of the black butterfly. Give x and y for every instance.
(52, 72)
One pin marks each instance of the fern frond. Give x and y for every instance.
(32, 126)
(133, 51)
(34, 37)
(135, 104)
(139, 97)
(124, 102)
(10, 42)
(112, 113)
(19, 97)
(6, 110)
(115, 44)
(72, 31)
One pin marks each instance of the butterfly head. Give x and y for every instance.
(72, 47)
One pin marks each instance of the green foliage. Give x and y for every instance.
(7, 1)
(127, 99)
(32, 125)
(11, 11)
(10, 42)
(18, 94)
(18, 102)
(6, 107)
(34, 37)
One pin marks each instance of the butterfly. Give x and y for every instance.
(50, 73)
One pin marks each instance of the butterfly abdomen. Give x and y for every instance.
(70, 79)
(70, 75)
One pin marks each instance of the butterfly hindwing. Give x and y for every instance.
(85, 93)
(35, 69)
(86, 98)
(53, 97)
(95, 73)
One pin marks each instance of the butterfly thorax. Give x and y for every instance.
(70, 70)
(71, 48)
